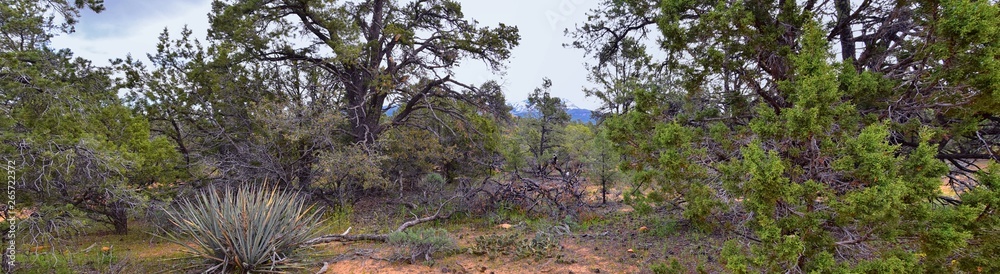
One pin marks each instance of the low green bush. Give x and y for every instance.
(93, 260)
(673, 267)
(542, 245)
(493, 245)
(421, 243)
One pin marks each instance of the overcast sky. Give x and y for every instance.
(132, 27)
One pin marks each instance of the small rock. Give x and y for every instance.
(630, 250)
(643, 229)
(505, 226)
(596, 270)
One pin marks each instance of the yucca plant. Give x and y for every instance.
(246, 229)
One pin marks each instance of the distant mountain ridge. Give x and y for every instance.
(577, 114)
(521, 109)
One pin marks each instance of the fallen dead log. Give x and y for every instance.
(344, 237)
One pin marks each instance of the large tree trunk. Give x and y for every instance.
(118, 216)
(365, 126)
(364, 111)
(304, 170)
(846, 34)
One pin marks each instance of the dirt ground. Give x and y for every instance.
(584, 260)
(616, 241)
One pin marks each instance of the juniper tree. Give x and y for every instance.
(381, 54)
(837, 157)
(546, 126)
(77, 147)
(280, 87)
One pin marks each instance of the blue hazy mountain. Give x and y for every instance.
(521, 109)
(577, 114)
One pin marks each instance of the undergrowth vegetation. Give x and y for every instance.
(540, 245)
(421, 244)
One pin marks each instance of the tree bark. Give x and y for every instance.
(847, 50)
(119, 218)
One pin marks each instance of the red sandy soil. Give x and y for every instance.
(586, 260)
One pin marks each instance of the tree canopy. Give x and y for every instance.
(376, 55)
(80, 148)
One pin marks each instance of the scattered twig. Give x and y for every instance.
(323, 269)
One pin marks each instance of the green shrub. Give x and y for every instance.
(92, 260)
(247, 229)
(543, 245)
(493, 245)
(664, 268)
(432, 179)
(51, 224)
(663, 227)
(337, 219)
(421, 243)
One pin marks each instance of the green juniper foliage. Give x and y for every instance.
(76, 145)
(546, 131)
(816, 162)
(372, 84)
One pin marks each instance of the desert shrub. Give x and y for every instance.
(493, 245)
(90, 260)
(246, 229)
(542, 245)
(49, 224)
(421, 243)
(337, 219)
(664, 268)
(663, 227)
(432, 180)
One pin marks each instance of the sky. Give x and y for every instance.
(132, 27)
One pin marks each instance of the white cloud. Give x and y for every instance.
(134, 31)
(541, 52)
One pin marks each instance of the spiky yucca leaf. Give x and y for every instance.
(247, 229)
